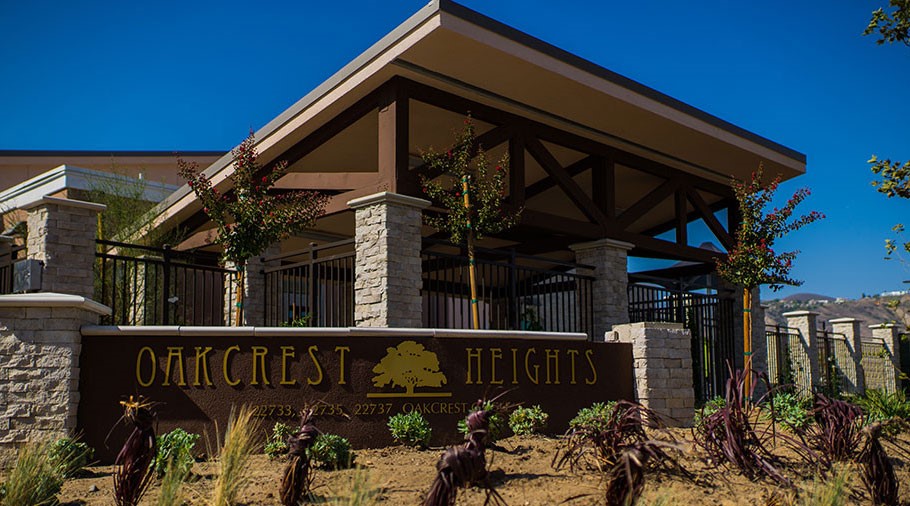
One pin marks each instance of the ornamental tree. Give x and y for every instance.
(250, 219)
(752, 261)
(471, 193)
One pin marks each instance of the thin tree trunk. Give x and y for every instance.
(475, 314)
(238, 298)
(747, 337)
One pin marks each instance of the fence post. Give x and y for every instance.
(889, 333)
(850, 328)
(805, 322)
(611, 281)
(311, 287)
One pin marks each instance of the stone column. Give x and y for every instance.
(40, 344)
(611, 281)
(253, 289)
(805, 361)
(662, 361)
(850, 328)
(388, 271)
(890, 334)
(61, 234)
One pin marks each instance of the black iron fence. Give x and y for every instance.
(8, 256)
(312, 287)
(160, 286)
(784, 369)
(708, 317)
(514, 291)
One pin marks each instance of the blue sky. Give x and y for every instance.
(197, 75)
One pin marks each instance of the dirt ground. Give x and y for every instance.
(522, 472)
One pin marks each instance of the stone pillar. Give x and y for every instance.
(662, 361)
(388, 271)
(850, 328)
(890, 334)
(253, 289)
(805, 363)
(39, 378)
(61, 234)
(611, 281)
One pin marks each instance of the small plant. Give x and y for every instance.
(410, 429)
(710, 407)
(878, 471)
(170, 493)
(69, 456)
(234, 456)
(881, 406)
(830, 491)
(175, 449)
(497, 425)
(332, 452)
(594, 417)
(361, 491)
(626, 479)
(790, 410)
(837, 431)
(300, 321)
(466, 465)
(34, 479)
(277, 444)
(134, 475)
(297, 479)
(526, 421)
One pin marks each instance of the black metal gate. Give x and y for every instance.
(710, 319)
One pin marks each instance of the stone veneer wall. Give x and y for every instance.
(662, 361)
(253, 286)
(611, 281)
(61, 234)
(40, 344)
(388, 272)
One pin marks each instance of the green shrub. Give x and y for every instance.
(277, 444)
(69, 456)
(525, 421)
(595, 416)
(709, 409)
(410, 429)
(499, 425)
(177, 446)
(881, 406)
(332, 451)
(34, 479)
(791, 410)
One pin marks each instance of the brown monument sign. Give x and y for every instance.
(356, 382)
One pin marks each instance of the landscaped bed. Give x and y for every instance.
(522, 473)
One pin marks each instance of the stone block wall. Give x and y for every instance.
(40, 344)
(253, 287)
(611, 281)
(387, 277)
(662, 361)
(61, 234)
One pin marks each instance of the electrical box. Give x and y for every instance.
(27, 275)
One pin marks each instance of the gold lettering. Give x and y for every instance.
(202, 364)
(514, 366)
(174, 352)
(572, 354)
(593, 380)
(495, 354)
(259, 352)
(224, 369)
(341, 350)
(473, 353)
(154, 363)
(552, 357)
(536, 378)
(286, 353)
(312, 351)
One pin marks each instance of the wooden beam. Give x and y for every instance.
(682, 215)
(690, 217)
(548, 182)
(327, 180)
(646, 203)
(392, 156)
(560, 225)
(565, 181)
(487, 140)
(716, 228)
(603, 182)
(517, 171)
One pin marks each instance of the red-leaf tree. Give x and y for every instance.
(473, 195)
(249, 219)
(753, 261)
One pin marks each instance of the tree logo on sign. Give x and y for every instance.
(409, 365)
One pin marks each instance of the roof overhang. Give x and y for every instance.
(453, 48)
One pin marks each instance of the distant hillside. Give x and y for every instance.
(871, 310)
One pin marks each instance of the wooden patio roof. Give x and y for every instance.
(593, 154)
